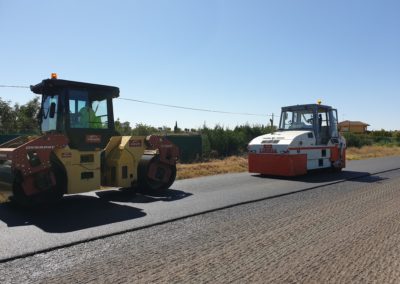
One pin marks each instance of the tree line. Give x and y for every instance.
(378, 137)
(19, 118)
(217, 141)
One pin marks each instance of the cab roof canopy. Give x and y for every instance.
(306, 107)
(53, 86)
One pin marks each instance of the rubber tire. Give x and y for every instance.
(57, 192)
(336, 170)
(148, 185)
(45, 198)
(19, 197)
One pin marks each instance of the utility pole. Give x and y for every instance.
(272, 120)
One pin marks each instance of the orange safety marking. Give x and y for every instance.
(278, 164)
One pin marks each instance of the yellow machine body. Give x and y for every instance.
(78, 153)
(82, 168)
(122, 156)
(120, 164)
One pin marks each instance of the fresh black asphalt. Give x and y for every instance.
(80, 218)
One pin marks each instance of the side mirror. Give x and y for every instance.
(52, 110)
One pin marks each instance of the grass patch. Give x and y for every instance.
(212, 167)
(368, 152)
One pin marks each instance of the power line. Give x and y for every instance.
(168, 105)
(195, 109)
(11, 86)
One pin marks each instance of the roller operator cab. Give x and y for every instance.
(80, 150)
(307, 139)
(81, 111)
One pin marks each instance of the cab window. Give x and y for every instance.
(49, 113)
(85, 113)
(296, 120)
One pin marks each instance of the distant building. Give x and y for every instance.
(353, 126)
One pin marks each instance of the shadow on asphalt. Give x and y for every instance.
(77, 212)
(321, 176)
(126, 195)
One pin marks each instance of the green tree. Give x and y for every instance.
(176, 128)
(7, 118)
(20, 118)
(27, 116)
(142, 129)
(124, 128)
(222, 142)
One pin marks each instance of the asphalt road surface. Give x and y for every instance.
(332, 230)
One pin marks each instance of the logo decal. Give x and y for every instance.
(135, 143)
(267, 149)
(93, 139)
(39, 147)
(66, 155)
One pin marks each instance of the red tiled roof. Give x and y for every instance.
(348, 122)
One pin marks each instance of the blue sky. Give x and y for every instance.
(236, 56)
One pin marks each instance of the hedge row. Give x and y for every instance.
(221, 142)
(373, 138)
